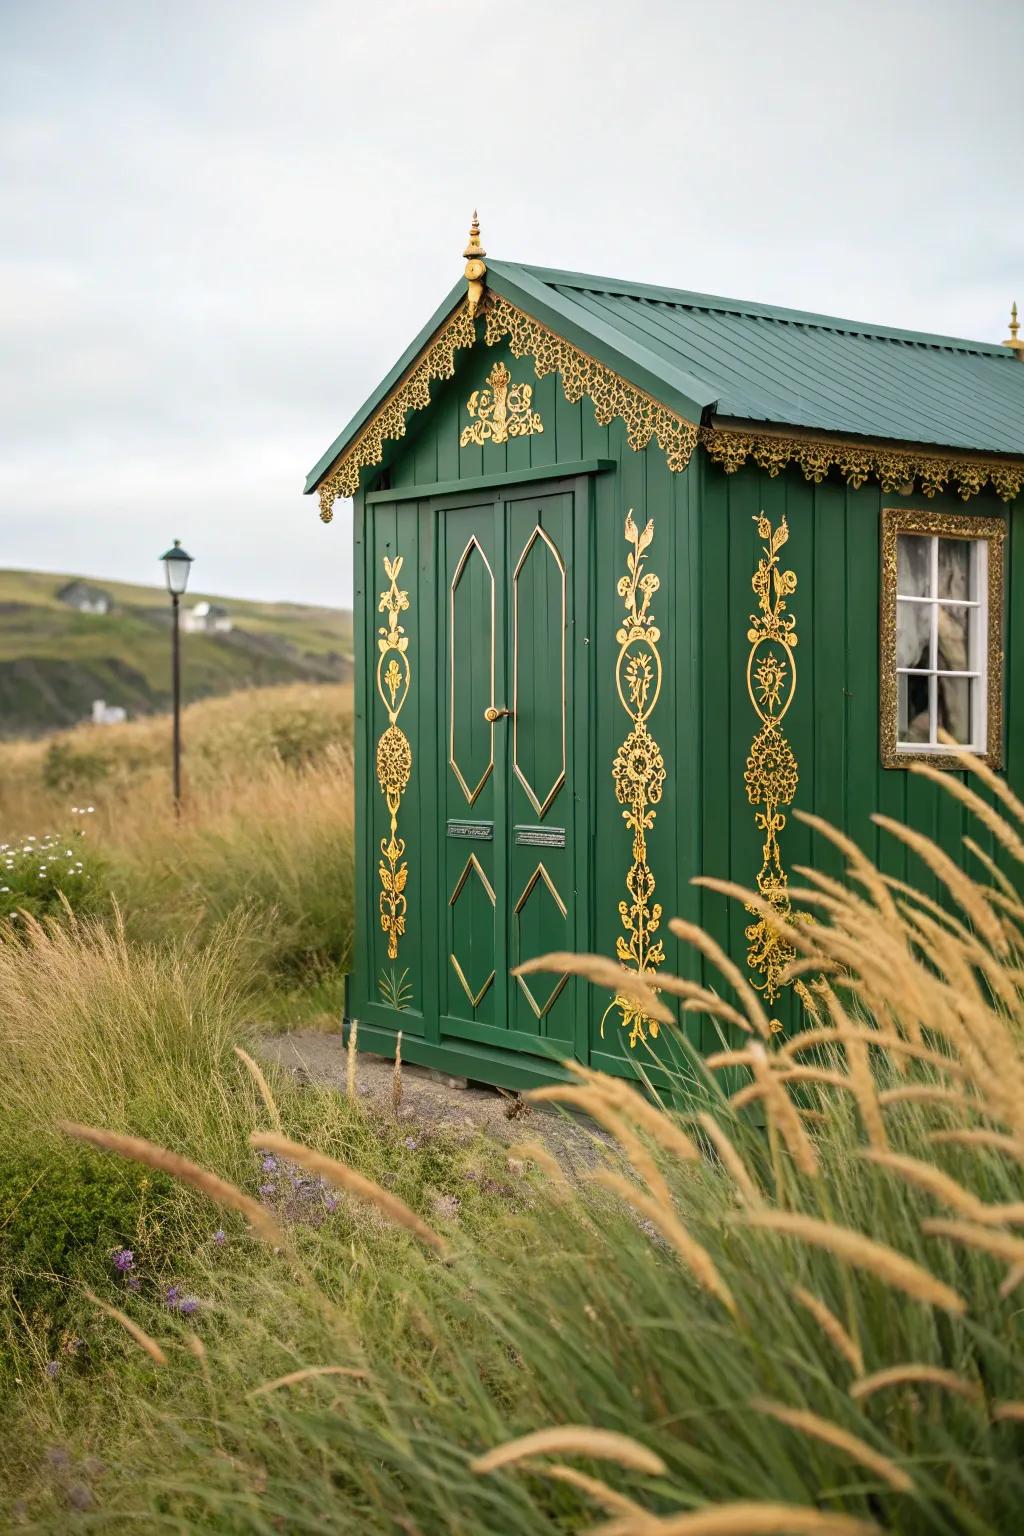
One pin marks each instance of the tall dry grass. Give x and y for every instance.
(266, 834)
(273, 842)
(808, 1327)
(125, 769)
(95, 1028)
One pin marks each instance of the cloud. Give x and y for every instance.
(224, 223)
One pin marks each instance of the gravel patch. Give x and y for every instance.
(430, 1097)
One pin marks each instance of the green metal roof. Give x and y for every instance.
(791, 368)
(712, 358)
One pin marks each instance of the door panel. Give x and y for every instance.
(538, 670)
(509, 802)
(473, 980)
(542, 842)
(472, 644)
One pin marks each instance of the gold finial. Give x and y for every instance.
(1013, 341)
(476, 267)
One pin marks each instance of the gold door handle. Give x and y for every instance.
(492, 714)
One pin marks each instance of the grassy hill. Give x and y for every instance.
(54, 661)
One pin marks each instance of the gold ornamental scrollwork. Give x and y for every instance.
(771, 774)
(612, 395)
(411, 393)
(639, 775)
(894, 468)
(394, 754)
(500, 411)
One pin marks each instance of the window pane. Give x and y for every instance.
(955, 565)
(913, 708)
(912, 631)
(954, 640)
(913, 566)
(955, 699)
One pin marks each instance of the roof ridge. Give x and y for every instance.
(682, 298)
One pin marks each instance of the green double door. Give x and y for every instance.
(512, 759)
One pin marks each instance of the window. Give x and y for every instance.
(942, 621)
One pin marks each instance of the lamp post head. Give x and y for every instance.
(177, 563)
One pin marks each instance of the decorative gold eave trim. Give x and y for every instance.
(612, 396)
(893, 466)
(411, 393)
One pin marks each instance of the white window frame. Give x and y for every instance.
(985, 607)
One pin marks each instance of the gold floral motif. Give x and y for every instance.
(394, 754)
(894, 468)
(638, 772)
(612, 395)
(771, 775)
(411, 393)
(504, 410)
(949, 525)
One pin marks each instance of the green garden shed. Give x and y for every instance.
(638, 572)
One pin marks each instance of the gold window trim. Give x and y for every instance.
(953, 525)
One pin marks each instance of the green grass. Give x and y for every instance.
(55, 661)
(648, 1298)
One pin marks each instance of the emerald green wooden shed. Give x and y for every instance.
(637, 573)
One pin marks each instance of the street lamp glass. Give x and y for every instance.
(176, 568)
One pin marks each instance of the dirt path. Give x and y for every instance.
(430, 1097)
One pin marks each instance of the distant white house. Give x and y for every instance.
(207, 619)
(85, 598)
(108, 714)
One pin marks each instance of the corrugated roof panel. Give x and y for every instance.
(797, 369)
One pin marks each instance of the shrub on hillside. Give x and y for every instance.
(64, 1213)
(49, 876)
(68, 770)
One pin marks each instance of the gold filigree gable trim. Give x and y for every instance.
(394, 754)
(411, 393)
(947, 525)
(894, 468)
(770, 777)
(612, 396)
(639, 775)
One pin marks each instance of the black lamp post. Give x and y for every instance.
(176, 569)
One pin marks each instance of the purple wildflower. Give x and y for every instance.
(52, 1368)
(133, 1283)
(268, 1189)
(269, 1163)
(330, 1204)
(176, 1302)
(411, 1143)
(123, 1260)
(79, 1496)
(219, 1237)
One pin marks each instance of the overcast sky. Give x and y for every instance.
(223, 220)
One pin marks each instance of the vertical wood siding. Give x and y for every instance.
(705, 551)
